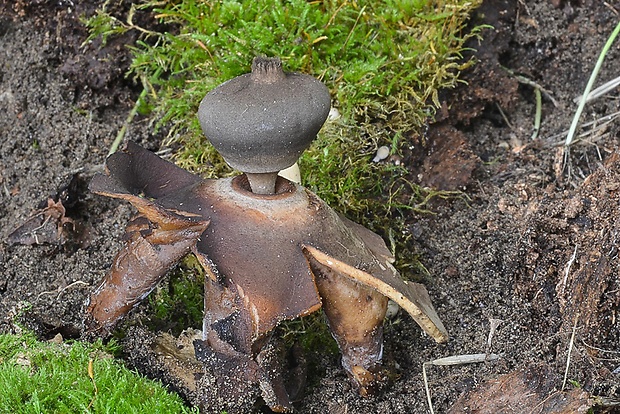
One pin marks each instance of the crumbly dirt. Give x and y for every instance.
(532, 241)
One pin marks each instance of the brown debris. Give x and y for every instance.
(44, 226)
(51, 222)
(531, 390)
(588, 290)
(450, 161)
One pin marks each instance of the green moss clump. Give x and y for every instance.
(311, 332)
(42, 377)
(179, 304)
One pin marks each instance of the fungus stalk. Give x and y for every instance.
(262, 183)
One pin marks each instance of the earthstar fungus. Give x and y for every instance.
(272, 250)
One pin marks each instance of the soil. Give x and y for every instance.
(531, 242)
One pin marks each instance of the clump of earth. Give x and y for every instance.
(530, 247)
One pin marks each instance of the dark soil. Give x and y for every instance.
(533, 241)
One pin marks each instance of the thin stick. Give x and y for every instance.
(452, 360)
(567, 271)
(427, 388)
(494, 324)
(501, 112)
(570, 350)
(597, 68)
(538, 115)
(535, 85)
(344, 46)
(61, 290)
(601, 90)
(121, 134)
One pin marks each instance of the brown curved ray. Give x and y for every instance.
(412, 297)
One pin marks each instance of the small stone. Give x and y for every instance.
(56, 339)
(334, 114)
(382, 153)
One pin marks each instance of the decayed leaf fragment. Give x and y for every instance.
(50, 223)
(527, 390)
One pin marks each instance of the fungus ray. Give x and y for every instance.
(412, 297)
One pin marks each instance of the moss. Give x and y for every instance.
(311, 332)
(178, 305)
(43, 377)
